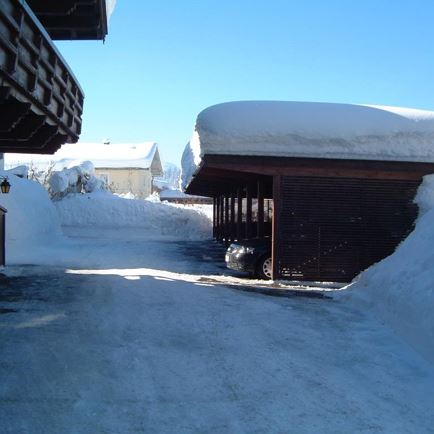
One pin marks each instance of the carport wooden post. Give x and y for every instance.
(239, 213)
(214, 217)
(275, 227)
(260, 222)
(222, 217)
(227, 230)
(248, 211)
(232, 234)
(217, 217)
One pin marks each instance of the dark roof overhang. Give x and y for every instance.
(41, 101)
(222, 174)
(72, 19)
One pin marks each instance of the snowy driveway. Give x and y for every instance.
(154, 349)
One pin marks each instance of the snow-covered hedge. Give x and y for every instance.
(76, 179)
(400, 289)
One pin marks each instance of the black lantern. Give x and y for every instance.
(5, 186)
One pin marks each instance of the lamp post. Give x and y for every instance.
(5, 186)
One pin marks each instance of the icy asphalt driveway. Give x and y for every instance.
(159, 350)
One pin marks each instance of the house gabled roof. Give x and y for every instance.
(112, 156)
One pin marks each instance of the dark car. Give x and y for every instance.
(253, 256)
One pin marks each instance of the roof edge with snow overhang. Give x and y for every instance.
(310, 130)
(103, 156)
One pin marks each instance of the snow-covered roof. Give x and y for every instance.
(311, 130)
(113, 156)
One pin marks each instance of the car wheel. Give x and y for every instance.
(265, 268)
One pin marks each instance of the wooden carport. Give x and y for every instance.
(331, 218)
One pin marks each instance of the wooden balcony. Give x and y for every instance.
(41, 101)
(72, 19)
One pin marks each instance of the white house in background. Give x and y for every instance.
(127, 168)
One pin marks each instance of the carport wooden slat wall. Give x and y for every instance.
(329, 229)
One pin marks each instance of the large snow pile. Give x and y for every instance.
(310, 130)
(400, 289)
(31, 220)
(105, 210)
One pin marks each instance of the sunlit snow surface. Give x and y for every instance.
(143, 336)
(124, 327)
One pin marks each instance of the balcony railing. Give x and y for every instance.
(41, 101)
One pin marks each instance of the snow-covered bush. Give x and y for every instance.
(76, 179)
(40, 174)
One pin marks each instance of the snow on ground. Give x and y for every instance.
(310, 130)
(32, 225)
(156, 346)
(140, 332)
(400, 289)
(105, 210)
(36, 226)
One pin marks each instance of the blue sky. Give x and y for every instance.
(165, 61)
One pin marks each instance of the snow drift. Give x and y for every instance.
(105, 210)
(400, 289)
(31, 221)
(34, 223)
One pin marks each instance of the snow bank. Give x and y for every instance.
(105, 210)
(31, 221)
(400, 289)
(311, 130)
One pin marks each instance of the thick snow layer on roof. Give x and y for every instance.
(114, 156)
(311, 130)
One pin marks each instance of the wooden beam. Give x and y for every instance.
(239, 213)
(260, 222)
(232, 223)
(227, 229)
(214, 217)
(319, 167)
(222, 218)
(219, 219)
(275, 227)
(248, 211)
